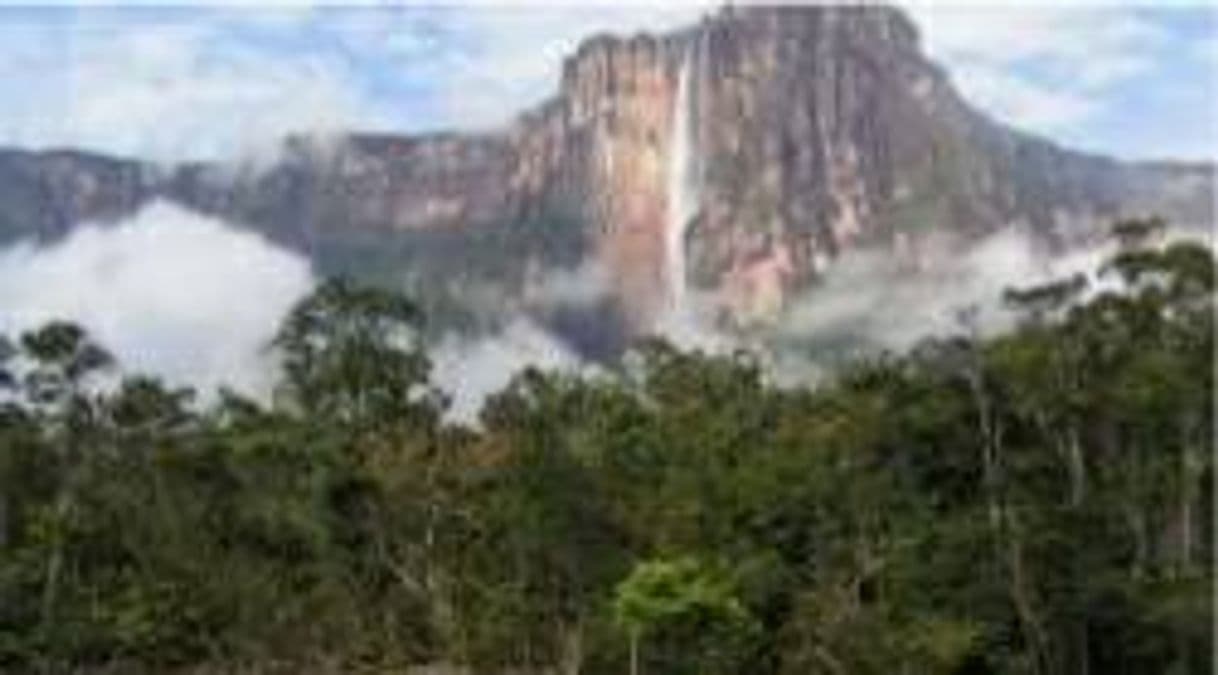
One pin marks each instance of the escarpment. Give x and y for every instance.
(731, 160)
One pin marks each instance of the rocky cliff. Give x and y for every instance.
(734, 158)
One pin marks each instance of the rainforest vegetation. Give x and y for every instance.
(1034, 502)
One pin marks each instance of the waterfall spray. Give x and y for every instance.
(683, 182)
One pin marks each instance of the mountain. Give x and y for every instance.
(733, 159)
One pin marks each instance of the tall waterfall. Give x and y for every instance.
(683, 183)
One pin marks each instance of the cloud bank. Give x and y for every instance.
(189, 298)
(168, 291)
(196, 301)
(470, 369)
(869, 302)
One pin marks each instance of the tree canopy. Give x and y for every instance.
(1035, 502)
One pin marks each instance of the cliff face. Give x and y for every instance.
(736, 158)
(807, 131)
(43, 195)
(617, 101)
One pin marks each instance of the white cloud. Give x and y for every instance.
(470, 369)
(218, 82)
(585, 284)
(867, 297)
(170, 91)
(1044, 66)
(1021, 101)
(169, 292)
(507, 59)
(1008, 34)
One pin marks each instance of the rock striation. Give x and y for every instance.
(779, 138)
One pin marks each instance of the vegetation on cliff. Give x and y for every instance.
(1035, 502)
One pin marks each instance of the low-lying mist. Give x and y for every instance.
(885, 303)
(168, 291)
(469, 369)
(197, 301)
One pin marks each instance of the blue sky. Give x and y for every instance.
(174, 83)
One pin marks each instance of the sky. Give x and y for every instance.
(171, 83)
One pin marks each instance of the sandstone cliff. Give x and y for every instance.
(736, 158)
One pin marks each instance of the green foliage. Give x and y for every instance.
(351, 355)
(1035, 502)
(660, 592)
(690, 609)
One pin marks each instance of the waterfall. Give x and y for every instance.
(683, 184)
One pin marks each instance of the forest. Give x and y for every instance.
(1033, 502)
